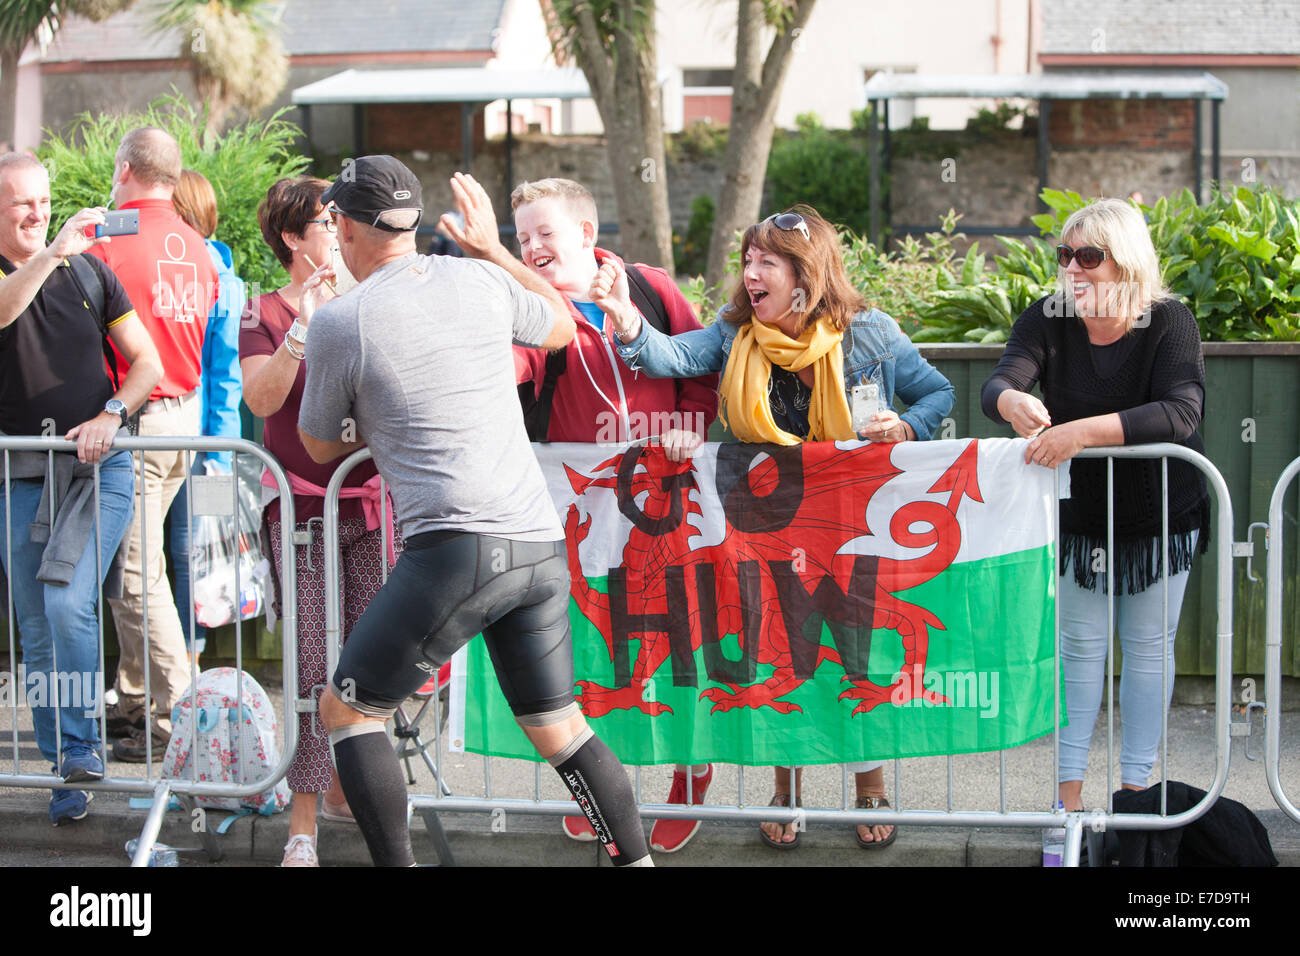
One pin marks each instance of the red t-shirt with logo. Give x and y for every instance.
(169, 276)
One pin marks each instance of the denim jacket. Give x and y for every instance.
(875, 350)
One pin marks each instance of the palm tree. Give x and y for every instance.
(19, 22)
(234, 52)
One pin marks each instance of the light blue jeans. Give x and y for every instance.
(58, 624)
(178, 549)
(1084, 644)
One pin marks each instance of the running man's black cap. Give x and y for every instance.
(371, 186)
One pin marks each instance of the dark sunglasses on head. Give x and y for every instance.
(789, 221)
(1089, 257)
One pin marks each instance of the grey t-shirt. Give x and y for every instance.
(419, 357)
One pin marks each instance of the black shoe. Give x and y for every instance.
(132, 749)
(119, 725)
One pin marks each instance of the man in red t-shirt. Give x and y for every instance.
(170, 278)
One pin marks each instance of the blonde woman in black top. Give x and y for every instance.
(1118, 361)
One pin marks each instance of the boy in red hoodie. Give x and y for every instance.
(597, 398)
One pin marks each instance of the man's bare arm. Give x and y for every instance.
(19, 288)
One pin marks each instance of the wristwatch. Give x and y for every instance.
(298, 332)
(115, 406)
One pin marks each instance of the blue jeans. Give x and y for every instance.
(58, 625)
(1084, 643)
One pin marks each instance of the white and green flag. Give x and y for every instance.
(816, 603)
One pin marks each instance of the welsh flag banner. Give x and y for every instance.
(817, 603)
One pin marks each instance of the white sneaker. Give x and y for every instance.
(300, 851)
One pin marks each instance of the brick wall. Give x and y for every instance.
(398, 127)
(1127, 124)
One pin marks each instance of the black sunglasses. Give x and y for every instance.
(789, 221)
(1089, 257)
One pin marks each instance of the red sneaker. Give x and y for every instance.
(669, 836)
(579, 828)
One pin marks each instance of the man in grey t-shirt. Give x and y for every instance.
(416, 363)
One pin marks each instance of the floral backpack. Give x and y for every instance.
(235, 743)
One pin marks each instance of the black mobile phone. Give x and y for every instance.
(124, 222)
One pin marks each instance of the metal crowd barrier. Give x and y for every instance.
(1074, 823)
(1273, 645)
(161, 789)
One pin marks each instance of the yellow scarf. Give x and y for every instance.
(756, 349)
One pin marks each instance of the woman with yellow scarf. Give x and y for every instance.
(802, 359)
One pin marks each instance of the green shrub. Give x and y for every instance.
(700, 139)
(242, 164)
(828, 169)
(691, 248)
(1235, 260)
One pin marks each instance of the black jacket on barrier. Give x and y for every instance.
(1229, 834)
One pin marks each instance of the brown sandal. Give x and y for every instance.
(874, 803)
(781, 800)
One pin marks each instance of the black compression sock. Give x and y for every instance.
(372, 781)
(599, 784)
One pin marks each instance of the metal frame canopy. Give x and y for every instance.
(1043, 87)
(472, 87)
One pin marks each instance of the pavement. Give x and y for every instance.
(504, 837)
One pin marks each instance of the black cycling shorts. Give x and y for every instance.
(446, 587)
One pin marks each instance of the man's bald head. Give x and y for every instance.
(153, 155)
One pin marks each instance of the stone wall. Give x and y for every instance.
(989, 185)
(582, 158)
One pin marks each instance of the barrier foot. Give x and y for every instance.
(409, 743)
(152, 824)
(211, 845)
(1073, 839)
(439, 836)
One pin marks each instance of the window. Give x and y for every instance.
(706, 95)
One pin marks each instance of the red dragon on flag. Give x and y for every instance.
(775, 579)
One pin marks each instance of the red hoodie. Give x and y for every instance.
(598, 399)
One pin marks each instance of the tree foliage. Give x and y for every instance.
(20, 20)
(241, 165)
(234, 52)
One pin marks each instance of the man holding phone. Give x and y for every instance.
(172, 283)
(53, 382)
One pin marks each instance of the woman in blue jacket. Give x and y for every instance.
(221, 386)
(799, 352)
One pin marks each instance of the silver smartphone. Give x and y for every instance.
(865, 403)
(125, 222)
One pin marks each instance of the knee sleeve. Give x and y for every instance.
(599, 785)
(547, 718)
